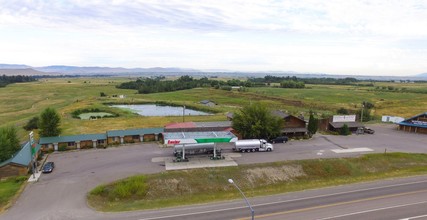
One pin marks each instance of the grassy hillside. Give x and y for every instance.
(172, 188)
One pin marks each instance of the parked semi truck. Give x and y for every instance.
(252, 145)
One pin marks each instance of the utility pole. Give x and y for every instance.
(32, 153)
(183, 114)
(361, 115)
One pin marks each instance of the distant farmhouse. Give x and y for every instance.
(208, 103)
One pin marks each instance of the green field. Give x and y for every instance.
(173, 188)
(9, 188)
(20, 102)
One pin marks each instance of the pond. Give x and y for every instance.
(160, 110)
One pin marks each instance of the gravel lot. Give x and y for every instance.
(61, 194)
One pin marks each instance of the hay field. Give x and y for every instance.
(20, 102)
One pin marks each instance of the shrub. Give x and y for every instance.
(345, 130)
(127, 188)
(32, 124)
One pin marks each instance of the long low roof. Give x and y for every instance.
(189, 135)
(139, 131)
(291, 130)
(353, 124)
(72, 138)
(210, 124)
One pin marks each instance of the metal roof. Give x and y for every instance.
(181, 125)
(278, 113)
(122, 133)
(213, 124)
(23, 157)
(72, 138)
(189, 135)
(414, 123)
(352, 124)
(291, 130)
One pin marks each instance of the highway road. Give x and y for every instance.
(400, 199)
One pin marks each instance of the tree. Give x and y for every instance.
(32, 124)
(345, 130)
(342, 111)
(49, 123)
(256, 121)
(9, 143)
(312, 124)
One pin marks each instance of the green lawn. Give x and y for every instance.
(9, 188)
(173, 188)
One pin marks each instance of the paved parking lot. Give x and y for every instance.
(61, 194)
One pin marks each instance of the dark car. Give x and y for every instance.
(368, 130)
(281, 139)
(48, 167)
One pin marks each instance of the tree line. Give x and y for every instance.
(327, 81)
(6, 80)
(47, 124)
(154, 85)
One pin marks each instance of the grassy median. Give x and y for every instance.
(9, 189)
(173, 188)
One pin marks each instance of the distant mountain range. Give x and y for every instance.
(19, 69)
(77, 70)
(422, 75)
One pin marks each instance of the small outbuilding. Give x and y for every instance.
(208, 103)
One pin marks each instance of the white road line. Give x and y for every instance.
(194, 213)
(372, 210)
(352, 150)
(278, 202)
(415, 217)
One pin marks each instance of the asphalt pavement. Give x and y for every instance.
(62, 193)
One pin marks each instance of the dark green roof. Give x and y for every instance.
(23, 157)
(139, 131)
(72, 138)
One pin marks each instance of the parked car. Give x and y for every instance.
(48, 167)
(281, 139)
(368, 130)
(364, 130)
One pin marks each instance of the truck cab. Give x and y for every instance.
(265, 146)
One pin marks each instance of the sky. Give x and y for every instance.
(357, 37)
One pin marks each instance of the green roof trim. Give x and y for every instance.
(72, 138)
(213, 140)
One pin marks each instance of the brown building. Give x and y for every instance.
(416, 124)
(20, 163)
(292, 126)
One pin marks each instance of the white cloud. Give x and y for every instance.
(352, 36)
